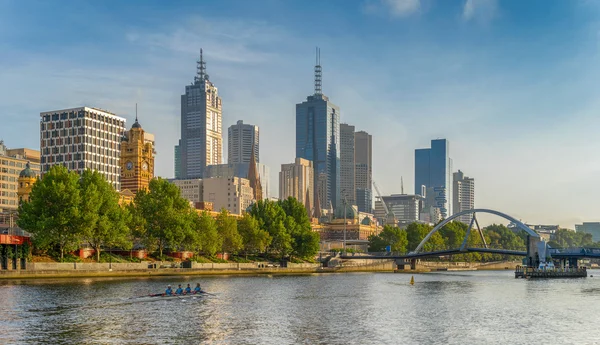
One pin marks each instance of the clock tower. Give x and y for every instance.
(137, 158)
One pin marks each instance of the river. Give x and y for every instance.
(359, 308)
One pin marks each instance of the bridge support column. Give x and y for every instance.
(413, 264)
(533, 259)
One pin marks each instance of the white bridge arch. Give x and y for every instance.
(474, 211)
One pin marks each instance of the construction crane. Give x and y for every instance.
(389, 216)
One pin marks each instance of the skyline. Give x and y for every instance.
(522, 74)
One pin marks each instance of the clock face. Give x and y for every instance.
(129, 165)
(145, 166)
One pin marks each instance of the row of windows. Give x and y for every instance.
(10, 186)
(8, 194)
(13, 164)
(83, 114)
(8, 202)
(8, 178)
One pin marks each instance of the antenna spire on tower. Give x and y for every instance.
(318, 72)
(136, 120)
(201, 75)
(401, 185)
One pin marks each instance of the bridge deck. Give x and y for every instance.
(438, 253)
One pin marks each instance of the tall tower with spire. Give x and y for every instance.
(318, 140)
(137, 158)
(201, 142)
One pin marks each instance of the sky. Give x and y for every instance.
(513, 85)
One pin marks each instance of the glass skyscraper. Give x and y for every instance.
(318, 140)
(433, 174)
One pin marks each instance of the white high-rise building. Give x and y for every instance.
(82, 138)
(241, 139)
(464, 195)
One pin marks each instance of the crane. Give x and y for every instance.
(389, 216)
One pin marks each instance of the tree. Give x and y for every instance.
(166, 215)
(254, 239)
(206, 238)
(103, 221)
(415, 233)
(305, 242)
(227, 229)
(52, 212)
(391, 236)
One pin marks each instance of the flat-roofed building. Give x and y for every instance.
(12, 163)
(82, 138)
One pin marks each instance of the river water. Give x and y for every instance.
(359, 308)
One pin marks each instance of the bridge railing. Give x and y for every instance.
(574, 250)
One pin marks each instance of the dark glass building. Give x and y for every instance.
(433, 172)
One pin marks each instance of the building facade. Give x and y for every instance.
(363, 172)
(137, 158)
(318, 140)
(347, 164)
(241, 170)
(405, 207)
(12, 163)
(201, 142)
(177, 162)
(242, 140)
(464, 195)
(296, 180)
(191, 189)
(232, 193)
(433, 172)
(592, 228)
(82, 138)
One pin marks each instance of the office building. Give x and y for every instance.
(137, 158)
(592, 228)
(433, 173)
(201, 142)
(177, 162)
(232, 193)
(318, 140)
(464, 195)
(82, 138)
(363, 172)
(296, 180)
(406, 208)
(12, 163)
(242, 139)
(347, 165)
(241, 170)
(191, 189)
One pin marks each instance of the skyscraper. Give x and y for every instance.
(363, 172)
(347, 164)
(82, 138)
(201, 141)
(464, 195)
(177, 162)
(241, 139)
(433, 175)
(318, 140)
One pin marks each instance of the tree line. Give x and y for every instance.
(66, 210)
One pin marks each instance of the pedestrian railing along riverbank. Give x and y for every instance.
(532, 272)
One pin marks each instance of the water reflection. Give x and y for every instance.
(447, 308)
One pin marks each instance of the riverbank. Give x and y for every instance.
(157, 269)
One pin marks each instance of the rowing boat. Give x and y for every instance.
(161, 296)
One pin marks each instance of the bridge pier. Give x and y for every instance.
(533, 258)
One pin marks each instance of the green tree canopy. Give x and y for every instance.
(391, 236)
(103, 221)
(52, 212)
(227, 229)
(166, 214)
(255, 239)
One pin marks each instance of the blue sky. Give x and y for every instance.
(512, 85)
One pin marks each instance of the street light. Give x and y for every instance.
(345, 222)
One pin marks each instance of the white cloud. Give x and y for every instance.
(482, 11)
(403, 8)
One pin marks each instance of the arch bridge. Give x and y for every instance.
(532, 240)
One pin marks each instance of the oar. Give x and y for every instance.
(208, 293)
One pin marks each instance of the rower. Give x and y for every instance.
(179, 290)
(197, 289)
(188, 289)
(169, 291)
